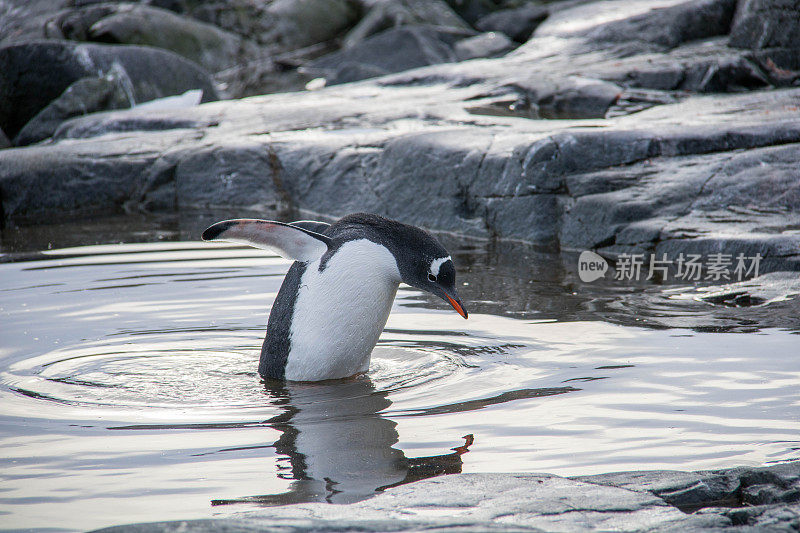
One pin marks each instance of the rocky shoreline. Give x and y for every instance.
(615, 127)
(737, 500)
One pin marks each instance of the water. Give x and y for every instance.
(128, 390)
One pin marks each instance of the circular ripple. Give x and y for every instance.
(215, 369)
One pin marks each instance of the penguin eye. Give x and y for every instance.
(432, 278)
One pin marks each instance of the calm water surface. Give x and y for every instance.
(129, 393)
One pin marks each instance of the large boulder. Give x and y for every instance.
(766, 24)
(518, 23)
(36, 73)
(299, 23)
(87, 95)
(669, 27)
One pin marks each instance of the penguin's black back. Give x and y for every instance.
(277, 343)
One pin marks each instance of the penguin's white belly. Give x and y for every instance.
(340, 312)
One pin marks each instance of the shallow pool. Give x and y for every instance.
(129, 393)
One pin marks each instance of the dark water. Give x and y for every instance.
(128, 390)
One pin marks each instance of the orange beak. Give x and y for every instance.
(457, 306)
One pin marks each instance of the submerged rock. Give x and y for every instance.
(759, 291)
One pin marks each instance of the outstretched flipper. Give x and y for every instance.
(289, 241)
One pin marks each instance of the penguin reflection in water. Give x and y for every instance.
(336, 297)
(336, 446)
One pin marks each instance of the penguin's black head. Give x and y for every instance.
(436, 275)
(422, 261)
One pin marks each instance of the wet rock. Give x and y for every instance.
(393, 50)
(490, 44)
(518, 23)
(565, 98)
(124, 23)
(758, 291)
(766, 24)
(87, 95)
(688, 491)
(37, 73)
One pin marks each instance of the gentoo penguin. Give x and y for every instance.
(336, 297)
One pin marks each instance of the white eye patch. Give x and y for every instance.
(436, 264)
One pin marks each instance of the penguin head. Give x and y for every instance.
(422, 261)
(436, 275)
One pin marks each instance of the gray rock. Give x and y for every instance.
(236, 175)
(299, 23)
(263, 76)
(472, 10)
(489, 44)
(26, 21)
(393, 50)
(766, 24)
(670, 26)
(136, 121)
(125, 23)
(244, 43)
(36, 73)
(570, 157)
(688, 491)
(526, 502)
(565, 98)
(87, 95)
(518, 23)
(78, 184)
(384, 14)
